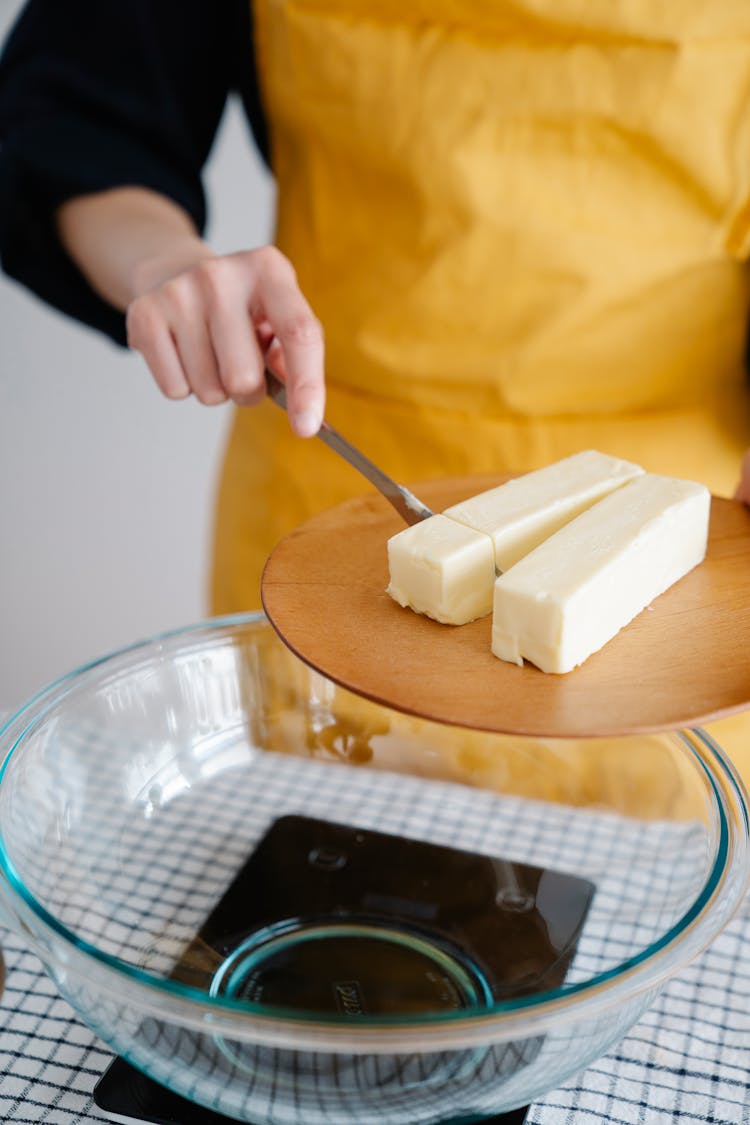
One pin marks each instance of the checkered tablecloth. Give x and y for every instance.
(688, 1060)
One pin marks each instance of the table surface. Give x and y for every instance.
(686, 1061)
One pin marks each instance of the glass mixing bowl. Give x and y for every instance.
(293, 906)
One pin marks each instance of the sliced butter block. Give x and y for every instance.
(573, 593)
(442, 569)
(523, 512)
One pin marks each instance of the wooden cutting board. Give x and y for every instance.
(683, 661)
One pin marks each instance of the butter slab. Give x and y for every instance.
(575, 591)
(442, 569)
(523, 512)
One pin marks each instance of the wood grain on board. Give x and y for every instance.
(683, 661)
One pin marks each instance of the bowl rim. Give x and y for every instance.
(717, 901)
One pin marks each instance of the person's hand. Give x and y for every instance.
(743, 488)
(208, 327)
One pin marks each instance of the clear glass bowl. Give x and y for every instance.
(442, 924)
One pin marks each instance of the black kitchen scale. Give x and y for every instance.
(126, 1095)
(345, 921)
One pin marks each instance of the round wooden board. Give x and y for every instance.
(683, 661)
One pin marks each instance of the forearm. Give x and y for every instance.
(206, 325)
(128, 240)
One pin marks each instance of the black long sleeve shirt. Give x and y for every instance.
(96, 95)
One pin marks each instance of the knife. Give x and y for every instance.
(408, 506)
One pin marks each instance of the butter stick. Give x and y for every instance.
(442, 569)
(575, 591)
(523, 512)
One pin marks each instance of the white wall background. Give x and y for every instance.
(106, 489)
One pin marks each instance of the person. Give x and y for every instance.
(506, 231)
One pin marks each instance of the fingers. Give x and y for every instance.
(299, 336)
(210, 330)
(149, 334)
(234, 338)
(168, 330)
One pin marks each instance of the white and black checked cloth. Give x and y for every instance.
(688, 1060)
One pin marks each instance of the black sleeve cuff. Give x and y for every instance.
(45, 163)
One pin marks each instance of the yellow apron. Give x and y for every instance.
(524, 227)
